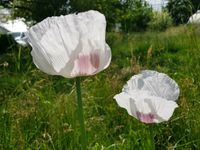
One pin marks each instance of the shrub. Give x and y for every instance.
(160, 21)
(136, 16)
(180, 10)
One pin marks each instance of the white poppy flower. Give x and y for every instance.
(71, 45)
(150, 97)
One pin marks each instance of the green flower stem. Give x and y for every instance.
(151, 129)
(80, 114)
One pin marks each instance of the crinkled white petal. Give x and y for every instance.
(105, 58)
(70, 44)
(123, 100)
(161, 108)
(149, 97)
(158, 84)
(152, 109)
(144, 107)
(42, 63)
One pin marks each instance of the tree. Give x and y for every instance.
(131, 14)
(37, 10)
(180, 10)
(196, 5)
(136, 15)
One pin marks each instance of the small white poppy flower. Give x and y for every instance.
(71, 45)
(149, 97)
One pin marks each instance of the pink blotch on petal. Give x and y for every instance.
(146, 118)
(86, 64)
(94, 59)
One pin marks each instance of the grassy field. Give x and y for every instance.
(38, 111)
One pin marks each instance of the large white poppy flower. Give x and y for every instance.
(71, 45)
(150, 97)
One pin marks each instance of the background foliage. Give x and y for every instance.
(37, 10)
(132, 14)
(160, 21)
(38, 111)
(181, 10)
(136, 15)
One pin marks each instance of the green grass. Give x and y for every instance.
(38, 111)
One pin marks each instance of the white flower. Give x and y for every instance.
(71, 45)
(150, 97)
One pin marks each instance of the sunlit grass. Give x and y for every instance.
(38, 111)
